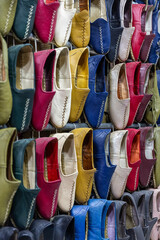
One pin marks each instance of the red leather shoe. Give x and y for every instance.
(48, 178)
(134, 161)
(133, 73)
(45, 20)
(138, 18)
(44, 69)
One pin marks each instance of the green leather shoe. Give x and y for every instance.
(156, 174)
(8, 183)
(7, 13)
(24, 168)
(5, 90)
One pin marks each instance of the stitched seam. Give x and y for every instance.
(53, 202)
(124, 117)
(8, 15)
(25, 113)
(70, 205)
(149, 177)
(28, 21)
(83, 99)
(89, 182)
(51, 26)
(69, 24)
(83, 32)
(8, 206)
(136, 178)
(64, 110)
(101, 39)
(128, 48)
(100, 113)
(30, 211)
(116, 50)
(131, 213)
(46, 115)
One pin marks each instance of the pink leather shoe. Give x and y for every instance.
(48, 178)
(44, 69)
(155, 233)
(45, 20)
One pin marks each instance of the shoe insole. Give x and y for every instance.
(2, 67)
(158, 202)
(149, 144)
(135, 149)
(122, 90)
(81, 5)
(136, 80)
(131, 216)
(49, 1)
(143, 20)
(110, 223)
(123, 157)
(69, 4)
(25, 69)
(98, 10)
(127, 13)
(148, 24)
(146, 79)
(81, 80)
(87, 152)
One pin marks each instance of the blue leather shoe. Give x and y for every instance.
(98, 227)
(42, 229)
(95, 103)
(158, 85)
(100, 38)
(8, 233)
(79, 212)
(105, 169)
(25, 235)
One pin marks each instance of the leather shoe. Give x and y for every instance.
(42, 229)
(8, 233)
(25, 235)
(156, 175)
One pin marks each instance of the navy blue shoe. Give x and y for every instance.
(42, 229)
(105, 169)
(25, 235)
(8, 233)
(95, 103)
(158, 84)
(79, 212)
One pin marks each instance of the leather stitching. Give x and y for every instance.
(83, 32)
(89, 182)
(46, 115)
(136, 178)
(25, 113)
(8, 15)
(65, 38)
(100, 113)
(8, 207)
(101, 39)
(51, 26)
(149, 176)
(30, 211)
(70, 204)
(28, 21)
(124, 119)
(64, 110)
(53, 202)
(128, 49)
(80, 106)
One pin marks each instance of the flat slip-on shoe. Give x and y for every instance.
(100, 38)
(5, 90)
(25, 235)
(84, 150)
(118, 156)
(133, 73)
(42, 229)
(126, 23)
(22, 81)
(62, 85)
(156, 175)
(143, 83)
(101, 220)
(80, 31)
(8, 233)
(7, 13)
(80, 214)
(65, 14)
(67, 161)
(45, 20)
(48, 177)
(134, 160)
(8, 183)
(80, 76)
(44, 69)
(25, 14)
(105, 169)
(63, 227)
(148, 159)
(95, 102)
(119, 98)
(24, 168)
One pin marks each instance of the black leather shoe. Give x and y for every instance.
(25, 235)
(8, 233)
(42, 229)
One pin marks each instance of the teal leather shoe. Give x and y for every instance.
(22, 81)
(24, 167)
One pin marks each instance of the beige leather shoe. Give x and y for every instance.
(155, 233)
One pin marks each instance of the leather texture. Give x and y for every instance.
(157, 155)
(5, 90)
(42, 229)
(105, 169)
(84, 150)
(95, 102)
(119, 98)
(25, 235)
(25, 14)
(158, 85)
(62, 85)
(21, 59)
(80, 76)
(8, 184)
(48, 177)
(44, 69)
(45, 20)
(8, 233)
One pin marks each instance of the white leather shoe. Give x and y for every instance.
(65, 14)
(119, 99)
(61, 103)
(67, 161)
(118, 156)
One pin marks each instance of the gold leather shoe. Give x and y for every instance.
(79, 75)
(84, 150)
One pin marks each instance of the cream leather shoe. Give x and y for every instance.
(118, 156)
(62, 85)
(67, 160)
(119, 99)
(155, 233)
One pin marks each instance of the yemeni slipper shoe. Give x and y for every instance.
(44, 69)
(45, 20)
(8, 233)
(22, 81)
(156, 175)
(67, 161)
(48, 177)
(119, 98)
(100, 38)
(95, 102)
(158, 84)
(80, 214)
(118, 155)
(62, 85)
(105, 169)
(80, 76)
(25, 235)
(24, 168)
(42, 229)
(8, 183)
(5, 90)
(84, 151)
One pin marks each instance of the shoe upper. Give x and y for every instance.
(42, 229)
(9, 233)
(25, 235)
(157, 155)
(158, 84)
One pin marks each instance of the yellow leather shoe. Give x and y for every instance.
(80, 32)
(84, 150)
(79, 75)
